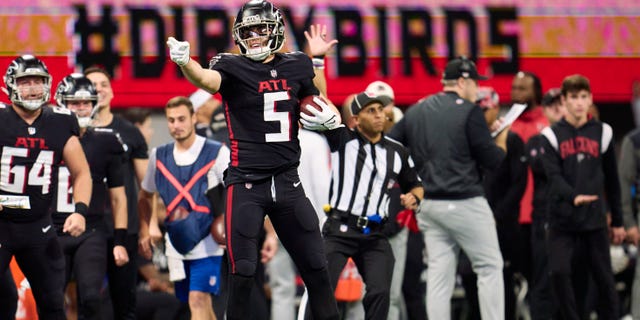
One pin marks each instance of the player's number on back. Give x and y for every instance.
(14, 178)
(64, 199)
(270, 114)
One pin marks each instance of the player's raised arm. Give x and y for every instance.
(203, 78)
(318, 47)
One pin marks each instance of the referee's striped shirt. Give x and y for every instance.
(362, 173)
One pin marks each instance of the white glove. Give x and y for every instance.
(178, 51)
(321, 120)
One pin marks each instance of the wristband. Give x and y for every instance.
(318, 63)
(81, 208)
(119, 237)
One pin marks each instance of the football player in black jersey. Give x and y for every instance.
(34, 141)
(122, 279)
(86, 255)
(261, 90)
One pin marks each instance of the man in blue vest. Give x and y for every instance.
(187, 174)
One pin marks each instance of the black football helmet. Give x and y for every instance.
(259, 20)
(76, 87)
(25, 66)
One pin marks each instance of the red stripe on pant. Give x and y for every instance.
(228, 227)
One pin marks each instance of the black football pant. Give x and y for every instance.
(86, 257)
(282, 198)
(37, 251)
(372, 255)
(562, 251)
(123, 280)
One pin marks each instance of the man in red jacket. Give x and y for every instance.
(526, 88)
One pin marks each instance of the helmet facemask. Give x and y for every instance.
(259, 30)
(76, 87)
(84, 121)
(27, 66)
(32, 104)
(256, 41)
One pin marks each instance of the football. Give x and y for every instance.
(307, 102)
(218, 230)
(178, 213)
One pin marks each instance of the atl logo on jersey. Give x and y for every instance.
(273, 85)
(27, 142)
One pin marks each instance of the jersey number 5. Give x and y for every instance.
(15, 178)
(270, 114)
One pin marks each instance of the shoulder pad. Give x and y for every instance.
(217, 58)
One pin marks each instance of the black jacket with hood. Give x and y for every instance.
(582, 162)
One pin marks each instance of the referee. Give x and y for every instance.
(364, 166)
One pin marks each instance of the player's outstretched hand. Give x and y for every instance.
(319, 45)
(324, 119)
(178, 51)
(120, 256)
(74, 225)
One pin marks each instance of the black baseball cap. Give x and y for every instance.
(461, 68)
(363, 99)
(551, 97)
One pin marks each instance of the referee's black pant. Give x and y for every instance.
(372, 255)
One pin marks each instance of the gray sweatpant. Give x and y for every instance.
(447, 226)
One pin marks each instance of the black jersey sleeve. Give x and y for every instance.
(67, 120)
(223, 63)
